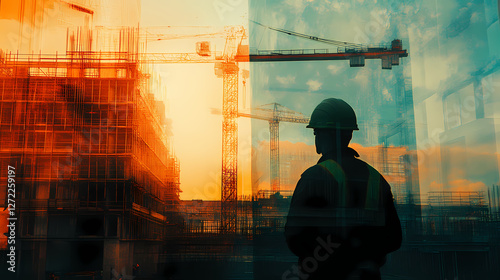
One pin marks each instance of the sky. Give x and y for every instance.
(300, 86)
(193, 90)
(449, 42)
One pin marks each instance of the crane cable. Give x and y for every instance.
(314, 38)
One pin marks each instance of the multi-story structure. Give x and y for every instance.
(455, 62)
(97, 182)
(454, 67)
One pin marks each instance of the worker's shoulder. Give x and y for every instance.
(361, 168)
(360, 163)
(313, 172)
(349, 163)
(369, 170)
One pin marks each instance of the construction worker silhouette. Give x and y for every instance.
(342, 222)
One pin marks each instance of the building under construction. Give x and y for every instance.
(97, 181)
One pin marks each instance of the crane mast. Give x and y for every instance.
(229, 71)
(274, 115)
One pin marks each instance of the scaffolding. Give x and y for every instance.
(494, 202)
(450, 199)
(90, 143)
(91, 112)
(458, 216)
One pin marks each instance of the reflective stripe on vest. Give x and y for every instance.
(373, 190)
(373, 187)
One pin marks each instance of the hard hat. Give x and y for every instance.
(333, 113)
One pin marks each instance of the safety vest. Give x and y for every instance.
(373, 188)
(372, 213)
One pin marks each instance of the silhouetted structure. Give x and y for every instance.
(97, 181)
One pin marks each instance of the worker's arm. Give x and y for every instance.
(378, 241)
(394, 235)
(300, 231)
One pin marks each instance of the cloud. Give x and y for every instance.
(297, 6)
(431, 168)
(301, 26)
(475, 17)
(340, 6)
(286, 80)
(326, 6)
(362, 77)
(455, 168)
(387, 95)
(334, 69)
(458, 185)
(314, 85)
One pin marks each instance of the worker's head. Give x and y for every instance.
(333, 121)
(331, 140)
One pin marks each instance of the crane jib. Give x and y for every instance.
(325, 56)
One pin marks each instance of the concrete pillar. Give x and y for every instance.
(111, 259)
(126, 258)
(147, 256)
(42, 257)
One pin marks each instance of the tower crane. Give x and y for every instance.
(355, 53)
(226, 66)
(274, 115)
